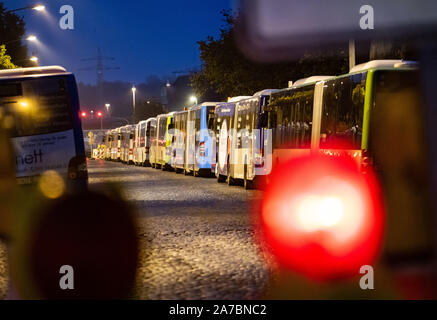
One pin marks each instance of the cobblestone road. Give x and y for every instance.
(196, 234)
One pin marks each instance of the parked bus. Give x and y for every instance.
(290, 118)
(151, 140)
(331, 116)
(108, 142)
(179, 141)
(144, 141)
(164, 139)
(199, 149)
(47, 132)
(167, 165)
(127, 143)
(140, 143)
(223, 129)
(116, 144)
(248, 142)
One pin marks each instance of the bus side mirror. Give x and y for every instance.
(263, 120)
(210, 122)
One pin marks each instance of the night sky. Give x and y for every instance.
(145, 37)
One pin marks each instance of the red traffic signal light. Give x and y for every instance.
(83, 114)
(99, 114)
(322, 217)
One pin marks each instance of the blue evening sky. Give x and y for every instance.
(145, 37)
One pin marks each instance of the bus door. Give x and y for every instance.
(317, 115)
(262, 158)
(191, 140)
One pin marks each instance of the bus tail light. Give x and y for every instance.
(366, 160)
(322, 217)
(259, 158)
(202, 148)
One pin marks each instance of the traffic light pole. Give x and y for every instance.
(428, 69)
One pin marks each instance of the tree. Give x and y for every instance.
(227, 72)
(5, 60)
(148, 109)
(12, 31)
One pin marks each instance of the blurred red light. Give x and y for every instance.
(83, 114)
(99, 114)
(322, 217)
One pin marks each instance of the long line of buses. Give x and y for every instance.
(239, 141)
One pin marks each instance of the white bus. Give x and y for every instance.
(248, 140)
(47, 135)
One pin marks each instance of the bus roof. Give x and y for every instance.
(37, 71)
(236, 99)
(310, 80)
(265, 92)
(383, 64)
(205, 104)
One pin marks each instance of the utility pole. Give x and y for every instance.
(99, 68)
(352, 59)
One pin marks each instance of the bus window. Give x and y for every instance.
(342, 112)
(210, 117)
(397, 144)
(162, 130)
(45, 110)
(41, 107)
(293, 122)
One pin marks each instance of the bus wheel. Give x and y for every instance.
(221, 178)
(231, 181)
(247, 183)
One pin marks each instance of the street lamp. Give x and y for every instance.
(107, 106)
(34, 59)
(31, 38)
(37, 7)
(134, 90)
(193, 99)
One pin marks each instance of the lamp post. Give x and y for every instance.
(38, 7)
(30, 38)
(100, 115)
(193, 99)
(32, 58)
(134, 90)
(107, 106)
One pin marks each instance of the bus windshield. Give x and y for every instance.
(38, 106)
(342, 112)
(293, 123)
